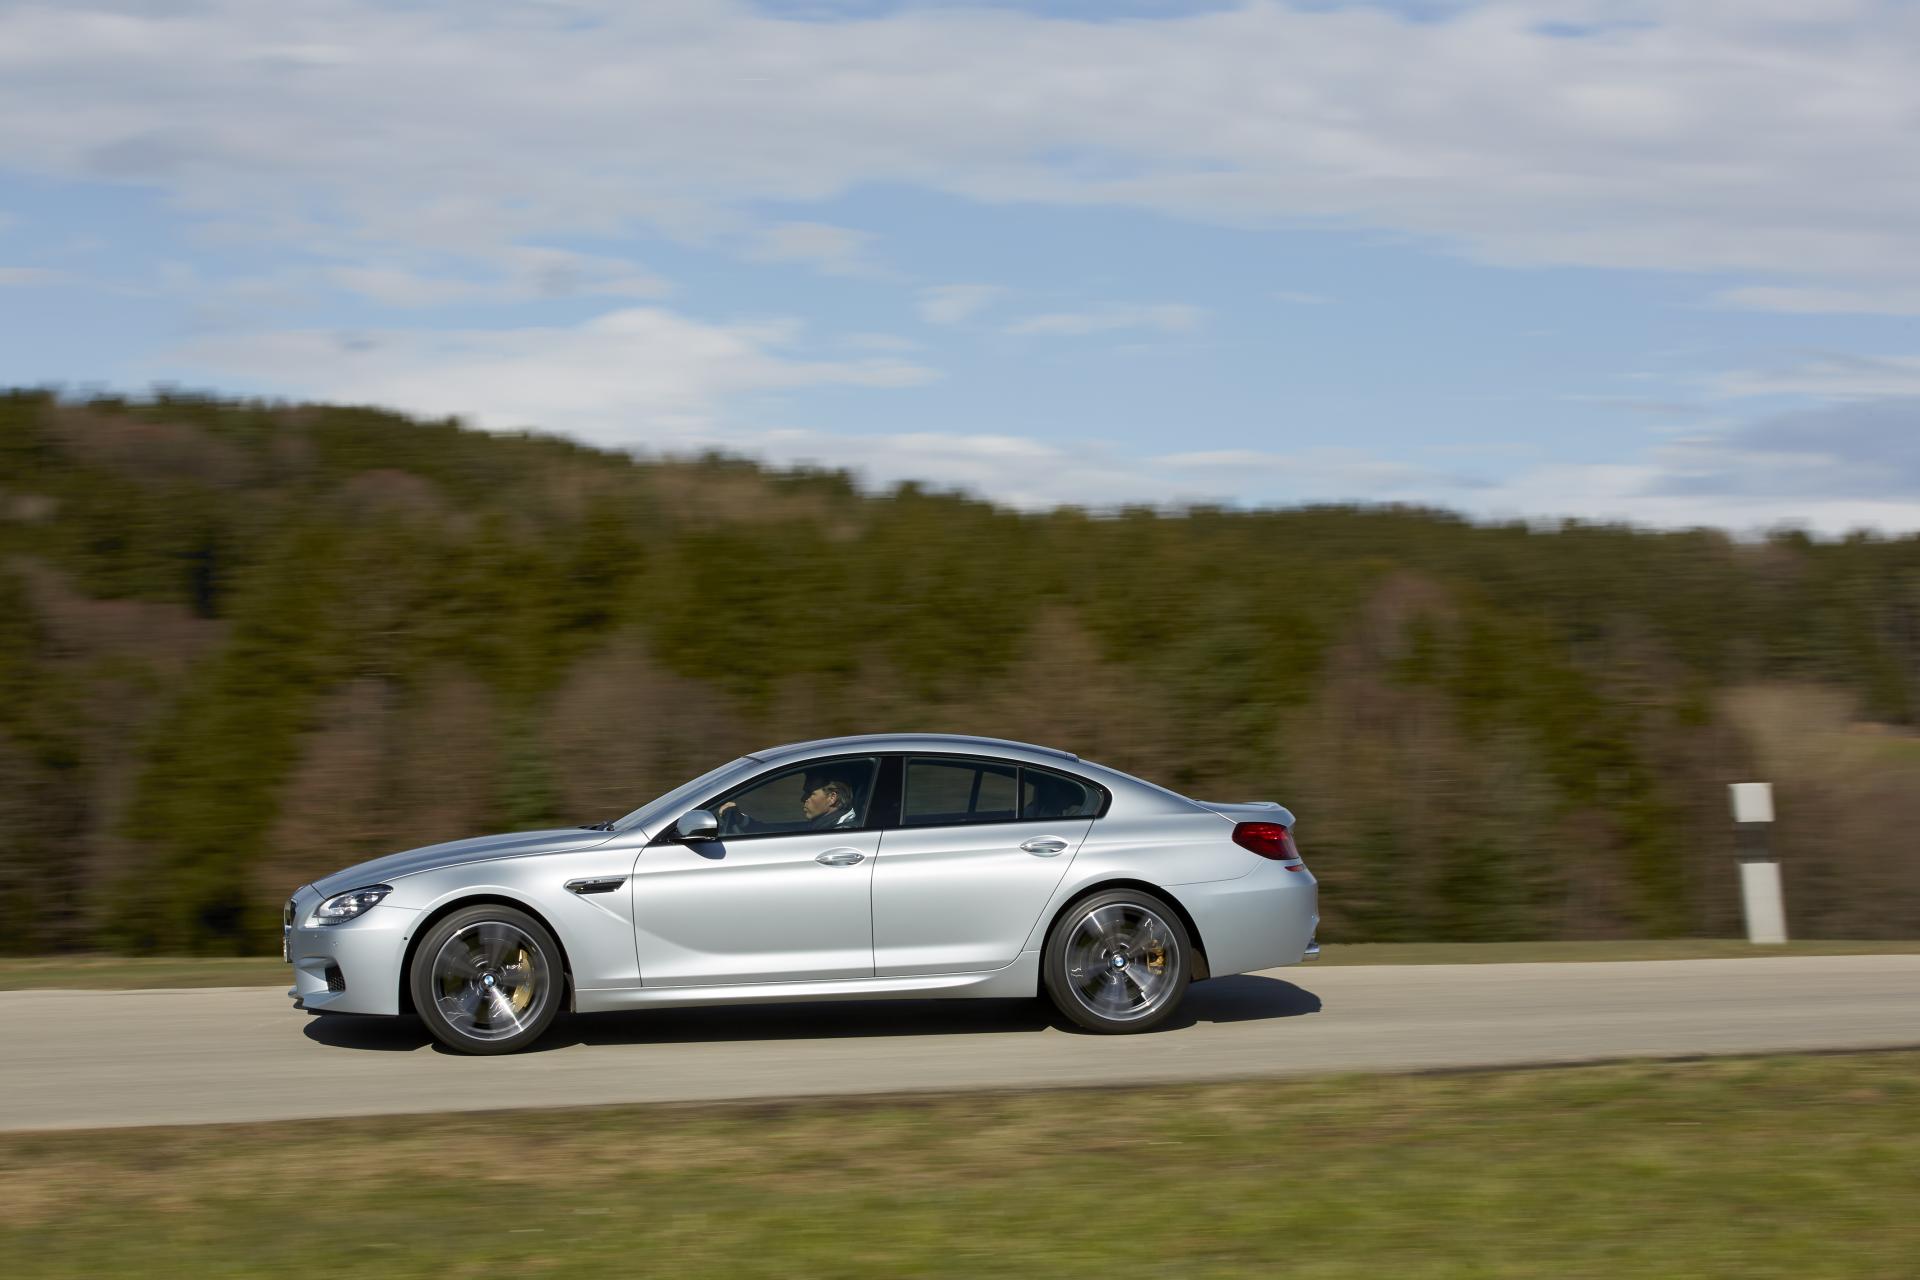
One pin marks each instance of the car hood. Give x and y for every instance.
(454, 852)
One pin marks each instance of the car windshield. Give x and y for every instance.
(679, 795)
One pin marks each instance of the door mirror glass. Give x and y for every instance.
(697, 824)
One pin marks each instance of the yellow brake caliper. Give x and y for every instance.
(522, 994)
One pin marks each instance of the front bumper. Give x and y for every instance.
(346, 968)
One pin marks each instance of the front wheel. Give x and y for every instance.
(1118, 961)
(487, 979)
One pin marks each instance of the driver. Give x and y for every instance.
(828, 803)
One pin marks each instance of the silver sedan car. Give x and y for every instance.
(888, 865)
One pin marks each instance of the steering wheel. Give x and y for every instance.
(733, 821)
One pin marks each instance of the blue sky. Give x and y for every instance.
(1622, 260)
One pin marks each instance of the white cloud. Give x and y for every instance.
(637, 377)
(420, 153)
(1728, 482)
(650, 379)
(834, 250)
(1724, 135)
(514, 273)
(544, 272)
(882, 342)
(1820, 301)
(1631, 493)
(1316, 474)
(398, 287)
(1165, 317)
(1021, 472)
(1861, 450)
(23, 276)
(1831, 470)
(955, 303)
(1834, 376)
(1034, 474)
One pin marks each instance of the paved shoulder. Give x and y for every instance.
(80, 1059)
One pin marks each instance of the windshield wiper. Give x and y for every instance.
(597, 826)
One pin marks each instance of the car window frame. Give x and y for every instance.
(877, 807)
(1100, 811)
(905, 758)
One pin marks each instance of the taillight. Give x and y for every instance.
(1269, 840)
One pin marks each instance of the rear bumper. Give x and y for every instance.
(347, 968)
(1264, 919)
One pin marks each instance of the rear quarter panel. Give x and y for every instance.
(1163, 850)
(1251, 912)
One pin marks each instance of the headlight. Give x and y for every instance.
(342, 907)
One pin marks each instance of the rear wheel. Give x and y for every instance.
(487, 979)
(1118, 961)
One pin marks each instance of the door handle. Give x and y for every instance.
(1044, 846)
(840, 857)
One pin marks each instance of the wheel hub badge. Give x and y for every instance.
(1119, 962)
(489, 980)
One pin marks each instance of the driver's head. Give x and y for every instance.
(827, 796)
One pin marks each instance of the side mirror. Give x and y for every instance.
(698, 824)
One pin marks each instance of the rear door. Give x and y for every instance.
(977, 852)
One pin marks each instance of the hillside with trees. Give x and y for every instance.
(243, 644)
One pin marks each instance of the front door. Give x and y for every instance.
(774, 908)
(784, 895)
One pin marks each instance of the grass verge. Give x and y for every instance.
(111, 973)
(97, 972)
(1763, 1167)
(1639, 949)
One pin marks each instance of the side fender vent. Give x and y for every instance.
(605, 884)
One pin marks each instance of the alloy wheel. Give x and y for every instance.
(1122, 962)
(487, 980)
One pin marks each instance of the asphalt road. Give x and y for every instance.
(85, 1059)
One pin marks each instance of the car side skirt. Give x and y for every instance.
(1019, 980)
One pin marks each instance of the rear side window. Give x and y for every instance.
(947, 792)
(1045, 794)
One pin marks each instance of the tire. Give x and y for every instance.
(487, 979)
(1100, 950)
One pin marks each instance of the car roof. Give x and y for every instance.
(950, 742)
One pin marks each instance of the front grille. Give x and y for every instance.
(286, 915)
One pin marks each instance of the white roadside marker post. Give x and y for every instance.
(1760, 895)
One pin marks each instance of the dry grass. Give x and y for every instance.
(1596, 952)
(1759, 1167)
(113, 973)
(1840, 786)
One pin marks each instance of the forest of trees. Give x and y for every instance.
(243, 644)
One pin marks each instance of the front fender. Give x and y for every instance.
(595, 930)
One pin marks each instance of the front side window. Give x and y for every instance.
(947, 792)
(820, 796)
